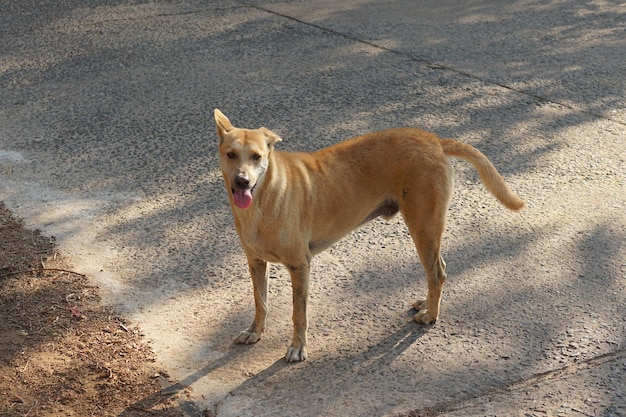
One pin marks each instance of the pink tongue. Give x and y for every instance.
(243, 198)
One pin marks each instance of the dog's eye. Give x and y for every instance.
(231, 155)
(256, 157)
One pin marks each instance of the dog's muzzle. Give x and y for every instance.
(242, 193)
(241, 182)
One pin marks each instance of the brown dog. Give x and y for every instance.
(290, 206)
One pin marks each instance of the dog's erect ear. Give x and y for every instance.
(222, 123)
(272, 137)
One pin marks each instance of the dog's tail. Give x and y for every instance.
(488, 173)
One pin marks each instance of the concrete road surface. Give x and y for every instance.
(107, 142)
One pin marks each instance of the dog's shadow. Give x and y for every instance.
(377, 355)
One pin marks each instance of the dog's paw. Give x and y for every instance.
(247, 337)
(295, 354)
(424, 317)
(420, 305)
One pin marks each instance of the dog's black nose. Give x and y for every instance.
(242, 182)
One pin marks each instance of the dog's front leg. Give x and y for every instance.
(259, 273)
(300, 285)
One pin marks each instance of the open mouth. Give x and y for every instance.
(243, 196)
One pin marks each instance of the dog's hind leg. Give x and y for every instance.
(426, 224)
(428, 309)
(259, 273)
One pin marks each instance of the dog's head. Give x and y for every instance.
(244, 158)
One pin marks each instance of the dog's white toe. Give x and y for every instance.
(247, 337)
(296, 354)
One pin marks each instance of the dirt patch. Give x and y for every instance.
(62, 353)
